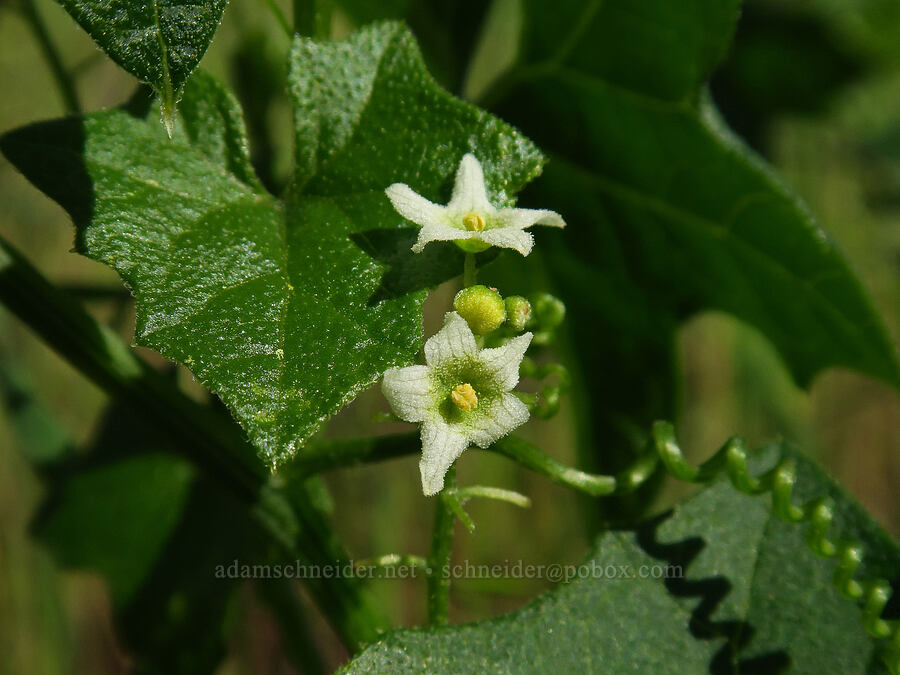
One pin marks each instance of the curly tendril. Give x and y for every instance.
(873, 595)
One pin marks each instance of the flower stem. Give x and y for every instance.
(439, 556)
(498, 494)
(470, 271)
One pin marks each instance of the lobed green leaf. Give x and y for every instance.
(285, 309)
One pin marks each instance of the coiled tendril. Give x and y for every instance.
(779, 481)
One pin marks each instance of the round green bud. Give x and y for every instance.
(518, 312)
(549, 311)
(481, 307)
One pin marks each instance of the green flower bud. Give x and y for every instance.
(549, 311)
(481, 307)
(518, 312)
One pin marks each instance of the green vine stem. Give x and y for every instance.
(62, 76)
(441, 548)
(279, 17)
(327, 456)
(447, 509)
(199, 433)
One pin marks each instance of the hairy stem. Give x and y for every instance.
(203, 436)
(61, 76)
(439, 556)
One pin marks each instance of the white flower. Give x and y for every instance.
(469, 219)
(462, 396)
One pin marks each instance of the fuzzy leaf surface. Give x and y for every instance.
(286, 309)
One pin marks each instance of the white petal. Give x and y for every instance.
(453, 341)
(507, 413)
(505, 360)
(509, 237)
(441, 446)
(437, 232)
(469, 193)
(413, 206)
(408, 390)
(522, 218)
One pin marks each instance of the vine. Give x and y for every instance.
(731, 459)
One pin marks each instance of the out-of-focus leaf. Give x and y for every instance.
(717, 585)
(700, 222)
(39, 436)
(447, 30)
(785, 59)
(264, 300)
(159, 42)
(260, 80)
(134, 513)
(116, 519)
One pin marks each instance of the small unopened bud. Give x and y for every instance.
(518, 312)
(464, 397)
(549, 311)
(481, 307)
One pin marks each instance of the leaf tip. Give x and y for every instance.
(167, 112)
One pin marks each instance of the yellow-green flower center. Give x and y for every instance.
(473, 222)
(464, 397)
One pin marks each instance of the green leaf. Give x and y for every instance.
(287, 310)
(588, 625)
(159, 42)
(744, 594)
(129, 507)
(641, 163)
(785, 60)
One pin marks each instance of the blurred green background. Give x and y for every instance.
(814, 86)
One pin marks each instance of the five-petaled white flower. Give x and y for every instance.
(462, 396)
(469, 219)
